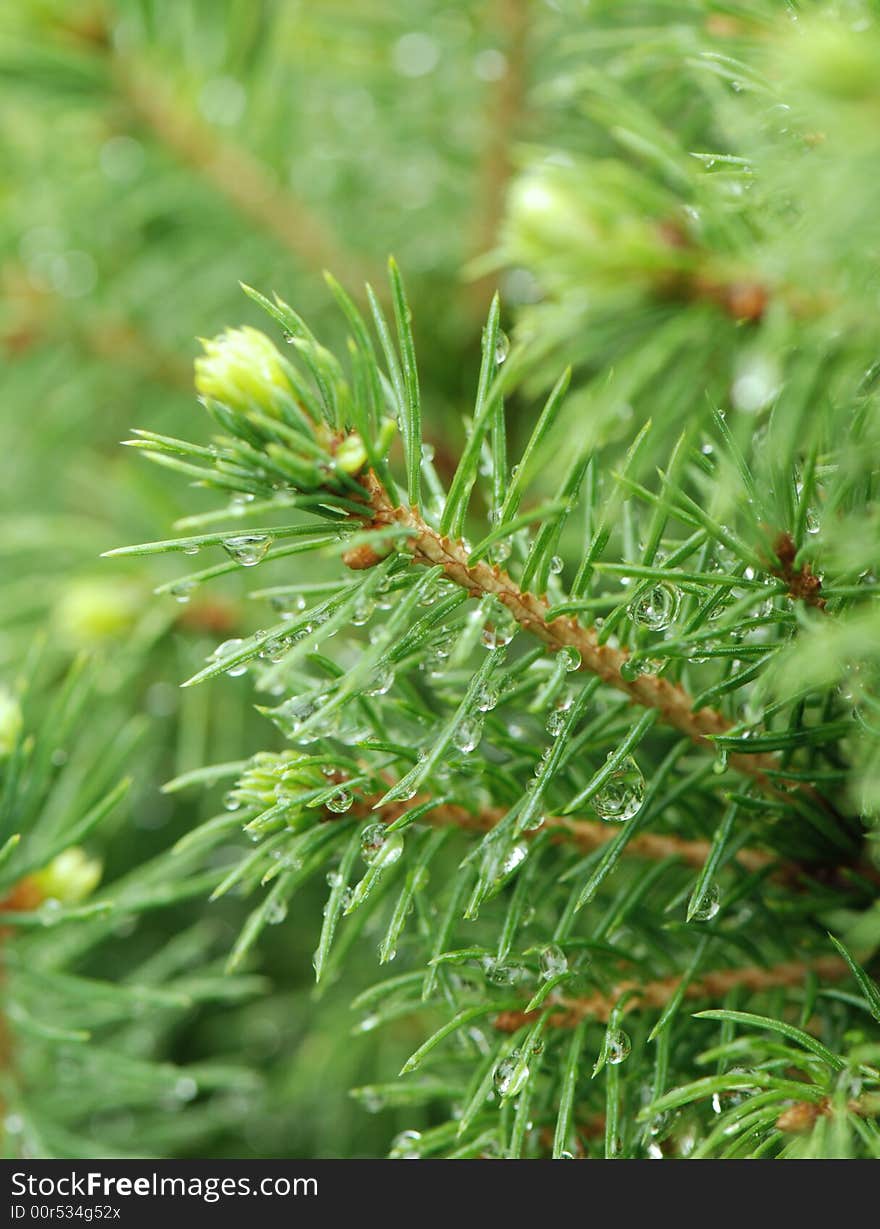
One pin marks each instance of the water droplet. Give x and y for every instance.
(510, 1075)
(570, 656)
(617, 1046)
(499, 631)
(502, 347)
(556, 565)
(556, 722)
(185, 1089)
(275, 647)
(341, 801)
(228, 649)
(622, 794)
(363, 609)
(498, 973)
(231, 801)
(293, 714)
(247, 548)
(50, 911)
(660, 1124)
(276, 912)
(633, 669)
(709, 904)
(487, 698)
(373, 839)
(657, 608)
(468, 734)
(553, 962)
(182, 590)
(756, 384)
(514, 857)
(382, 682)
(405, 1146)
(373, 1103)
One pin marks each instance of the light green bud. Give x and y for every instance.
(70, 877)
(243, 369)
(92, 611)
(10, 722)
(351, 455)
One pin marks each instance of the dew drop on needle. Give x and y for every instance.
(622, 794)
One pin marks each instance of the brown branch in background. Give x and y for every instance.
(237, 175)
(119, 341)
(654, 995)
(509, 21)
(803, 585)
(744, 299)
(673, 704)
(741, 294)
(36, 316)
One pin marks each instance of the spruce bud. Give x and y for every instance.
(243, 369)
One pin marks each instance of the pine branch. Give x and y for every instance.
(586, 835)
(628, 995)
(673, 704)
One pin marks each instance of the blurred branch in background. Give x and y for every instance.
(236, 174)
(507, 68)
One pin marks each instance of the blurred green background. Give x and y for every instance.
(154, 154)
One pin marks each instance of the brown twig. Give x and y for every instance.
(803, 1115)
(586, 835)
(803, 584)
(673, 704)
(656, 994)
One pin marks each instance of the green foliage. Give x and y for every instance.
(567, 698)
(413, 703)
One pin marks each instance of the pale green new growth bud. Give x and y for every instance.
(10, 722)
(835, 60)
(351, 455)
(70, 877)
(90, 612)
(243, 369)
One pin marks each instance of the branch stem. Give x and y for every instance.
(673, 702)
(654, 995)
